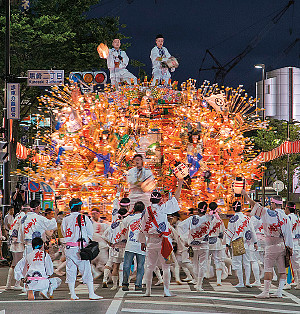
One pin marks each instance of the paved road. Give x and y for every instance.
(225, 299)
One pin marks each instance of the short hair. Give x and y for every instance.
(159, 36)
(137, 155)
(277, 198)
(291, 206)
(124, 202)
(237, 206)
(176, 214)
(37, 243)
(96, 209)
(202, 207)
(34, 204)
(155, 197)
(75, 204)
(213, 206)
(122, 211)
(138, 207)
(60, 213)
(48, 210)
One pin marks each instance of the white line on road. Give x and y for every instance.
(116, 302)
(256, 301)
(291, 296)
(227, 306)
(162, 311)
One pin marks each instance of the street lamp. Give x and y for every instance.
(262, 66)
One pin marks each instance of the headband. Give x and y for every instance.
(156, 197)
(124, 204)
(294, 207)
(236, 205)
(94, 211)
(276, 201)
(73, 205)
(204, 208)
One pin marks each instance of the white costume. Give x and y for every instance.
(117, 67)
(194, 230)
(215, 245)
(135, 177)
(36, 267)
(240, 226)
(154, 226)
(276, 224)
(274, 242)
(99, 229)
(160, 73)
(34, 225)
(71, 232)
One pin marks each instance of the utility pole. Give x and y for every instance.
(290, 120)
(6, 174)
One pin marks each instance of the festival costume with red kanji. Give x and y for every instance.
(34, 225)
(154, 227)
(275, 223)
(72, 234)
(240, 226)
(194, 231)
(36, 267)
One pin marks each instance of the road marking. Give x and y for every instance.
(116, 302)
(226, 286)
(51, 301)
(83, 289)
(291, 296)
(161, 311)
(227, 306)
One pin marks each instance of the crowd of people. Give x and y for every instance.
(145, 235)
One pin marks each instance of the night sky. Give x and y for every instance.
(223, 26)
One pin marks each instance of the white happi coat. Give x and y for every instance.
(216, 233)
(36, 264)
(71, 230)
(240, 225)
(34, 225)
(160, 213)
(274, 221)
(99, 229)
(134, 178)
(119, 73)
(259, 230)
(158, 72)
(16, 235)
(131, 224)
(295, 221)
(195, 229)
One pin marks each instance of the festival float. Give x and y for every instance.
(193, 133)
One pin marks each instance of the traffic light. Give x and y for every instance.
(89, 77)
(3, 150)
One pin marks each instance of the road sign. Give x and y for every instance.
(45, 77)
(33, 186)
(46, 187)
(278, 186)
(13, 101)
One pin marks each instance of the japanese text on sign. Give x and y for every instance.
(13, 101)
(45, 77)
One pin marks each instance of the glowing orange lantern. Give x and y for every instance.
(103, 51)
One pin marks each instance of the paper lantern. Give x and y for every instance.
(181, 171)
(238, 185)
(148, 185)
(103, 51)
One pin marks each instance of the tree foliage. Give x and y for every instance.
(266, 140)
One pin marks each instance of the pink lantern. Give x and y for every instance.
(103, 51)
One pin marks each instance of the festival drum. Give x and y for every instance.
(171, 63)
(148, 185)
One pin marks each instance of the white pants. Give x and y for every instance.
(217, 256)
(159, 75)
(200, 260)
(121, 75)
(44, 284)
(74, 262)
(245, 259)
(101, 259)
